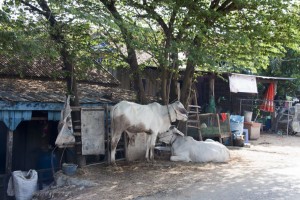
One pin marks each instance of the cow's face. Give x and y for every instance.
(181, 112)
(166, 137)
(169, 136)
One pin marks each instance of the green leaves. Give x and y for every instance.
(239, 33)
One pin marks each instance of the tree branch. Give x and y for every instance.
(214, 4)
(152, 13)
(172, 19)
(33, 8)
(224, 5)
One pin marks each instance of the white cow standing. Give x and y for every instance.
(135, 118)
(186, 149)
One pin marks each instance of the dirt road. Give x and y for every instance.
(269, 169)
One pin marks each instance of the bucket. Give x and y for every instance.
(248, 116)
(69, 168)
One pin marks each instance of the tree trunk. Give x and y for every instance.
(58, 37)
(187, 83)
(164, 95)
(137, 80)
(174, 79)
(131, 55)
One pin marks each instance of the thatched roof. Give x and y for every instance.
(47, 69)
(26, 90)
(43, 80)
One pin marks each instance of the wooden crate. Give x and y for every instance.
(214, 126)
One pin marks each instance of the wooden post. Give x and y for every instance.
(9, 151)
(273, 114)
(212, 86)
(219, 127)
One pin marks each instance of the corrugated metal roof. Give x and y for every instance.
(26, 90)
(276, 78)
(48, 69)
(267, 77)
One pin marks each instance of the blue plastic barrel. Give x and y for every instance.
(237, 124)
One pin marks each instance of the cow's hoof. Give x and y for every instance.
(150, 161)
(116, 168)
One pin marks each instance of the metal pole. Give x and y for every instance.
(288, 121)
(241, 100)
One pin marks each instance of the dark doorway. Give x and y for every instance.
(3, 136)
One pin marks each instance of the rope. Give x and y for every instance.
(52, 165)
(173, 140)
(62, 155)
(170, 139)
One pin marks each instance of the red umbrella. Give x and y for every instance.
(268, 103)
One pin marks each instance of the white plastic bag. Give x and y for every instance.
(23, 184)
(65, 130)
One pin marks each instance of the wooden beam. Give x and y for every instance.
(39, 118)
(9, 151)
(30, 106)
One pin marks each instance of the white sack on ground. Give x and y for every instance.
(23, 184)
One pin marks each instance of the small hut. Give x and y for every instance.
(32, 96)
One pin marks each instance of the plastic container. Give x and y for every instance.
(69, 168)
(237, 124)
(44, 162)
(248, 116)
(253, 129)
(268, 124)
(246, 135)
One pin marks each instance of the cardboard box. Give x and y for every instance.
(253, 129)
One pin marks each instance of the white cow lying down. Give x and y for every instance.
(186, 149)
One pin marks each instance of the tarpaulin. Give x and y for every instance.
(242, 83)
(268, 101)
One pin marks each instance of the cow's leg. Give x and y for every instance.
(148, 145)
(152, 145)
(114, 142)
(180, 158)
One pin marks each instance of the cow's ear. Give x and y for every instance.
(179, 132)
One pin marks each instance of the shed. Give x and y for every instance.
(221, 88)
(32, 96)
(234, 97)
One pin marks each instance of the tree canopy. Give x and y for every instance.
(213, 35)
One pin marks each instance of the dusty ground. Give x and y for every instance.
(280, 155)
